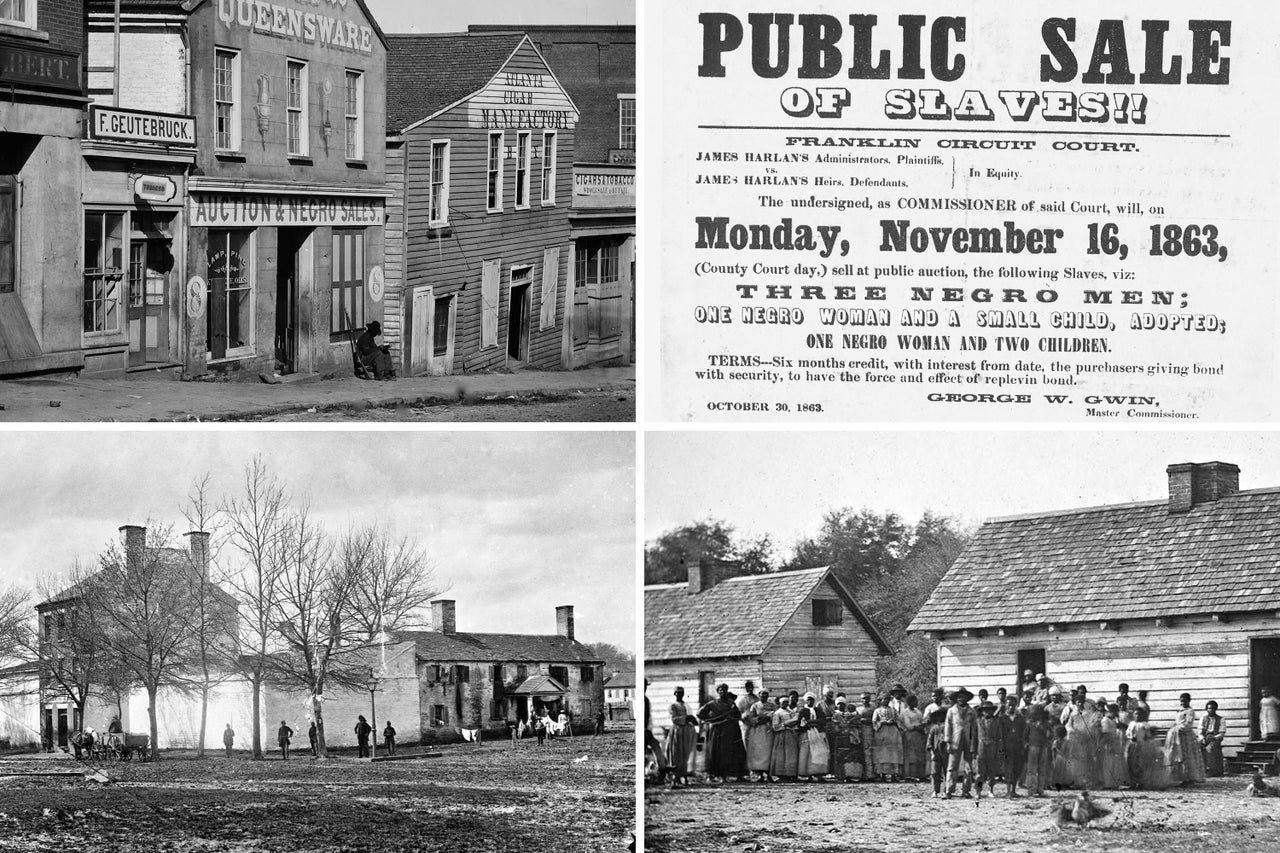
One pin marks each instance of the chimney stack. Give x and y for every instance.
(198, 545)
(135, 544)
(707, 572)
(564, 620)
(443, 616)
(1192, 483)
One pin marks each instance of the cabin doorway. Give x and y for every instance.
(518, 315)
(1264, 671)
(1028, 659)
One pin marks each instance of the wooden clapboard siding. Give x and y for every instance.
(803, 656)
(1209, 660)
(393, 328)
(666, 676)
(449, 259)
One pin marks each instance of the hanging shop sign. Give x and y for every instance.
(42, 67)
(154, 188)
(236, 209)
(141, 126)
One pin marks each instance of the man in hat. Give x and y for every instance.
(962, 737)
(898, 698)
(376, 359)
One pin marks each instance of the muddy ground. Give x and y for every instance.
(587, 406)
(1215, 817)
(496, 797)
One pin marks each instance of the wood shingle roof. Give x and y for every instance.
(1109, 563)
(426, 73)
(499, 648)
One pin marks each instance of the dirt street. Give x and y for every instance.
(1215, 817)
(496, 797)
(577, 407)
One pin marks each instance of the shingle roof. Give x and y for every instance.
(499, 648)
(737, 617)
(537, 685)
(621, 680)
(426, 73)
(174, 557)
(1114, 562)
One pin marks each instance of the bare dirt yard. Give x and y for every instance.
(496, 797)
(1214, 817)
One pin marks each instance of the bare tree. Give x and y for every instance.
(396, 581)
(15, 622)
(253, 522)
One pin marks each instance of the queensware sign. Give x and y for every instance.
(114, 123)
(296, 22)
(236, 209)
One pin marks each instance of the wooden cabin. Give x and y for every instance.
(1175, 595)
(783, 631)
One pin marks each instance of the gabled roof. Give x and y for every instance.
(1114, 562)
(738, 617)
(621, 681)
(499, 648)
(176, 557)
(428, 73)
(537, 685)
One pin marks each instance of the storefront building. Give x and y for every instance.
(480, 150)
(41, 62)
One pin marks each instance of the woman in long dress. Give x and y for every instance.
(759, 725)
(726, 756)
(1182, 746)
(814, 752)
(682, 740)
(888, 741)
(1083, 747)
(1111, 745)
(911, 720)
(784, 761)
(1268, 715)
(848, 754)
(1039, 769)
(1212, 732)
(1147, 768)
(866, 711)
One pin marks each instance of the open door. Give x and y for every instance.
(521, 302)
(1028, 659)
(1264, 671)
(151, 263)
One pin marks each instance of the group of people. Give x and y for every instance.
(284, 738)
(1041, 737)
(541, 726)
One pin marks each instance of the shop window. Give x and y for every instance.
(18, 13)
(297, 109)
(226, 96)
(523, 154)
(103, 271)
(441, 327)
(229, 316)
(596, 263)
(8, 232)
(627, 121)
(348, 284)
(548, 168)
(439, 182)
(355, 115)
(495, 172)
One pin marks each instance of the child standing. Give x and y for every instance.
(936, 749)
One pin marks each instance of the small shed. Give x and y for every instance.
(1175, 595)
(784, 631)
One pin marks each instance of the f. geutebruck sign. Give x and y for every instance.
(140, 126)
(946, 211)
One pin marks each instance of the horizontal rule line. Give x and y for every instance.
(960, 131)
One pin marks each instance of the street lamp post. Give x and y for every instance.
(373, 722)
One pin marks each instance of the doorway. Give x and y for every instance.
(150, 263)
(518, 315)
(1028, 659)
(288, 265)
(1264, 671)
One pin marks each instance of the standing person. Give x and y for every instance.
(564, 723)
(599, 722)
(888, 741)
(228, 738)
(912, 723)
(990, 752)
(389, 738)
(1147, 769)
(540, 730)
(726, 756)
(935, 745)
(1141, 703)
(1212, 731)
(826, 709)
(283, 734)
(961, 734)
(363, 730)
(650, 742)
(847, 752)
(866, 713)
(1015, 745)
(313, 737)
(1115, 771)
(1182, 746)
(744, 703)
(784, 761)
(1028, 683)
(814, 757)
(758, 723)
(1127, 706)
(1269, 715)
(1039, 767)
(682, 740)
(939, 701)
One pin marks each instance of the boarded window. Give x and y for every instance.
(550, 286)
(559, 673)
(827, 611)
(489, 281)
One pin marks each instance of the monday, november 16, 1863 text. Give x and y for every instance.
(942, 212)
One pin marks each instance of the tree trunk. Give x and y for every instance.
(151, 716)
(204, 714)
(319, 715)
(257, 717)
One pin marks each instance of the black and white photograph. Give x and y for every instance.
(924, 640)
(282, 641)
(317, 210)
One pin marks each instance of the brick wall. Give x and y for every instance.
(153, 71)
(63, 20)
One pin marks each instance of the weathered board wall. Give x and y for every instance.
(804, 656)
(665, 676)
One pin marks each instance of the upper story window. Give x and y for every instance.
(297, 110)
(439, 182)
(355, 115)
(226, 96)
(626, 121)
(548, 168)
(495, 172)
(523, 162)
(827, 611)
(18, 13)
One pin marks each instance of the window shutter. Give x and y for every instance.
(489, 281)
(550, 285)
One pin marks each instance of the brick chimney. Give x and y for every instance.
(443, 616)
(135, 546)
(1194, 483)
(708, 572)
(564, 620)
(198, 545)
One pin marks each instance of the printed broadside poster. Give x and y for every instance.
(962, 212)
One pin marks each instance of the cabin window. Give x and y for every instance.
(441, 715)
(627, 121)
(522, 671)
(827, 612)
(8, 232)
(226, 91)
(439, 201)
(524, 155)
(548, 168)
(297, 108)
(588, 674)
(355, 114)
(495, 172)
(560, 674)
(19, 13)
(103, 271)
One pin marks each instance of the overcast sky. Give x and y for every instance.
(435, 16)
(782, 483)
(516, 522)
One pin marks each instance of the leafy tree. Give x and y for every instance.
(667, 558)
(616, 658)
(860, 546)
